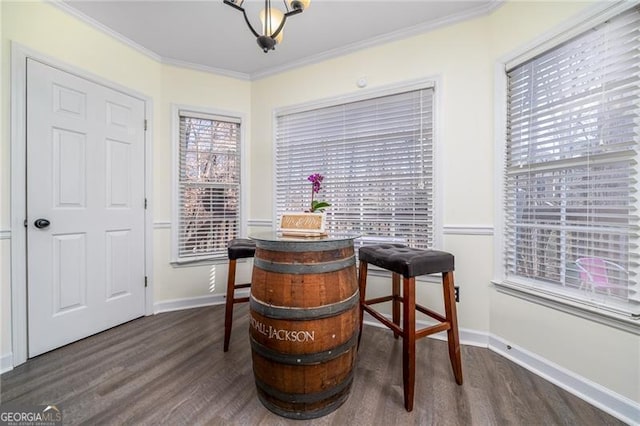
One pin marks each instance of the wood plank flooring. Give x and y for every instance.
(170, 369)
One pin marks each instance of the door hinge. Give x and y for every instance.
(145, 203)
(26, 223)
(145, 281)
(145, 124)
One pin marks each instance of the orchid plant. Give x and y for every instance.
(316, 180)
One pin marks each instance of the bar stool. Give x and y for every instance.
(410, 263)
(238, 248)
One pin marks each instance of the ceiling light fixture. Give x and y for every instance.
(272, 20)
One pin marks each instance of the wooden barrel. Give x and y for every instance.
(304, 311)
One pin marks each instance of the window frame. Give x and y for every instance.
(175, 260)
(590, 18)
(432, 82)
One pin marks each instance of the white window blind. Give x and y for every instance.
(377, 159)
(208, 185)
(571, 175)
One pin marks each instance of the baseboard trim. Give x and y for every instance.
(6, 362)
(187, 303)
(597, 395)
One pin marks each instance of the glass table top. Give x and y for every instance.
(273, 236)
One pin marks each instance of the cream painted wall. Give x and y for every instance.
(459, 58)
(463, 57)
(605, 355)
(461, 63)
(443, 54)
(195, 89)
(52, 33)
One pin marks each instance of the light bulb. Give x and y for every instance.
(268, 28)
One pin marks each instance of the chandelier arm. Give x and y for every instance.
(246, 19)
(232, 4)
(280, 27)
(244, 13)
(284, 19)
(294, 12)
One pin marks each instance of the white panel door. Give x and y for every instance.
(85, 177)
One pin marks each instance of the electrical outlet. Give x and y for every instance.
(457, 293)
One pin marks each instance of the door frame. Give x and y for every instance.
(19, 314)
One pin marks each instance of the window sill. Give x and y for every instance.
(628, 323)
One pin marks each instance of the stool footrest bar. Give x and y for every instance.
(431, 313)
(382, 319)
(378, 300)
(424, 332)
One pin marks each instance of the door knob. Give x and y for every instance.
(41, 223)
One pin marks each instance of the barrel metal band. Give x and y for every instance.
(304, 269)
(303, 359)
(306, 398)
(303, 415)
(288, 313)
(298, 246)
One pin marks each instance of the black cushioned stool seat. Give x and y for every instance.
(238, 248)
(409, 263)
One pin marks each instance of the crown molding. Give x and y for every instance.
(480, 10)
(141, 49)
(212, 70)
(108, 31)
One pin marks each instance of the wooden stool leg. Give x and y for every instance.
(362, 284)
(408, 340)
(228, 309)
(452, 334)
(395, 282)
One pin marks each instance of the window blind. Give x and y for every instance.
(377, 159)
(208, 185)
(572, 165)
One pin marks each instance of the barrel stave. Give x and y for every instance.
(303, 327)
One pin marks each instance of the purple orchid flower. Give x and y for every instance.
(316, 181)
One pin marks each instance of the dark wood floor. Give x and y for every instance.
(170, 369)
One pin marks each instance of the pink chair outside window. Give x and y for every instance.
(594, 274)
